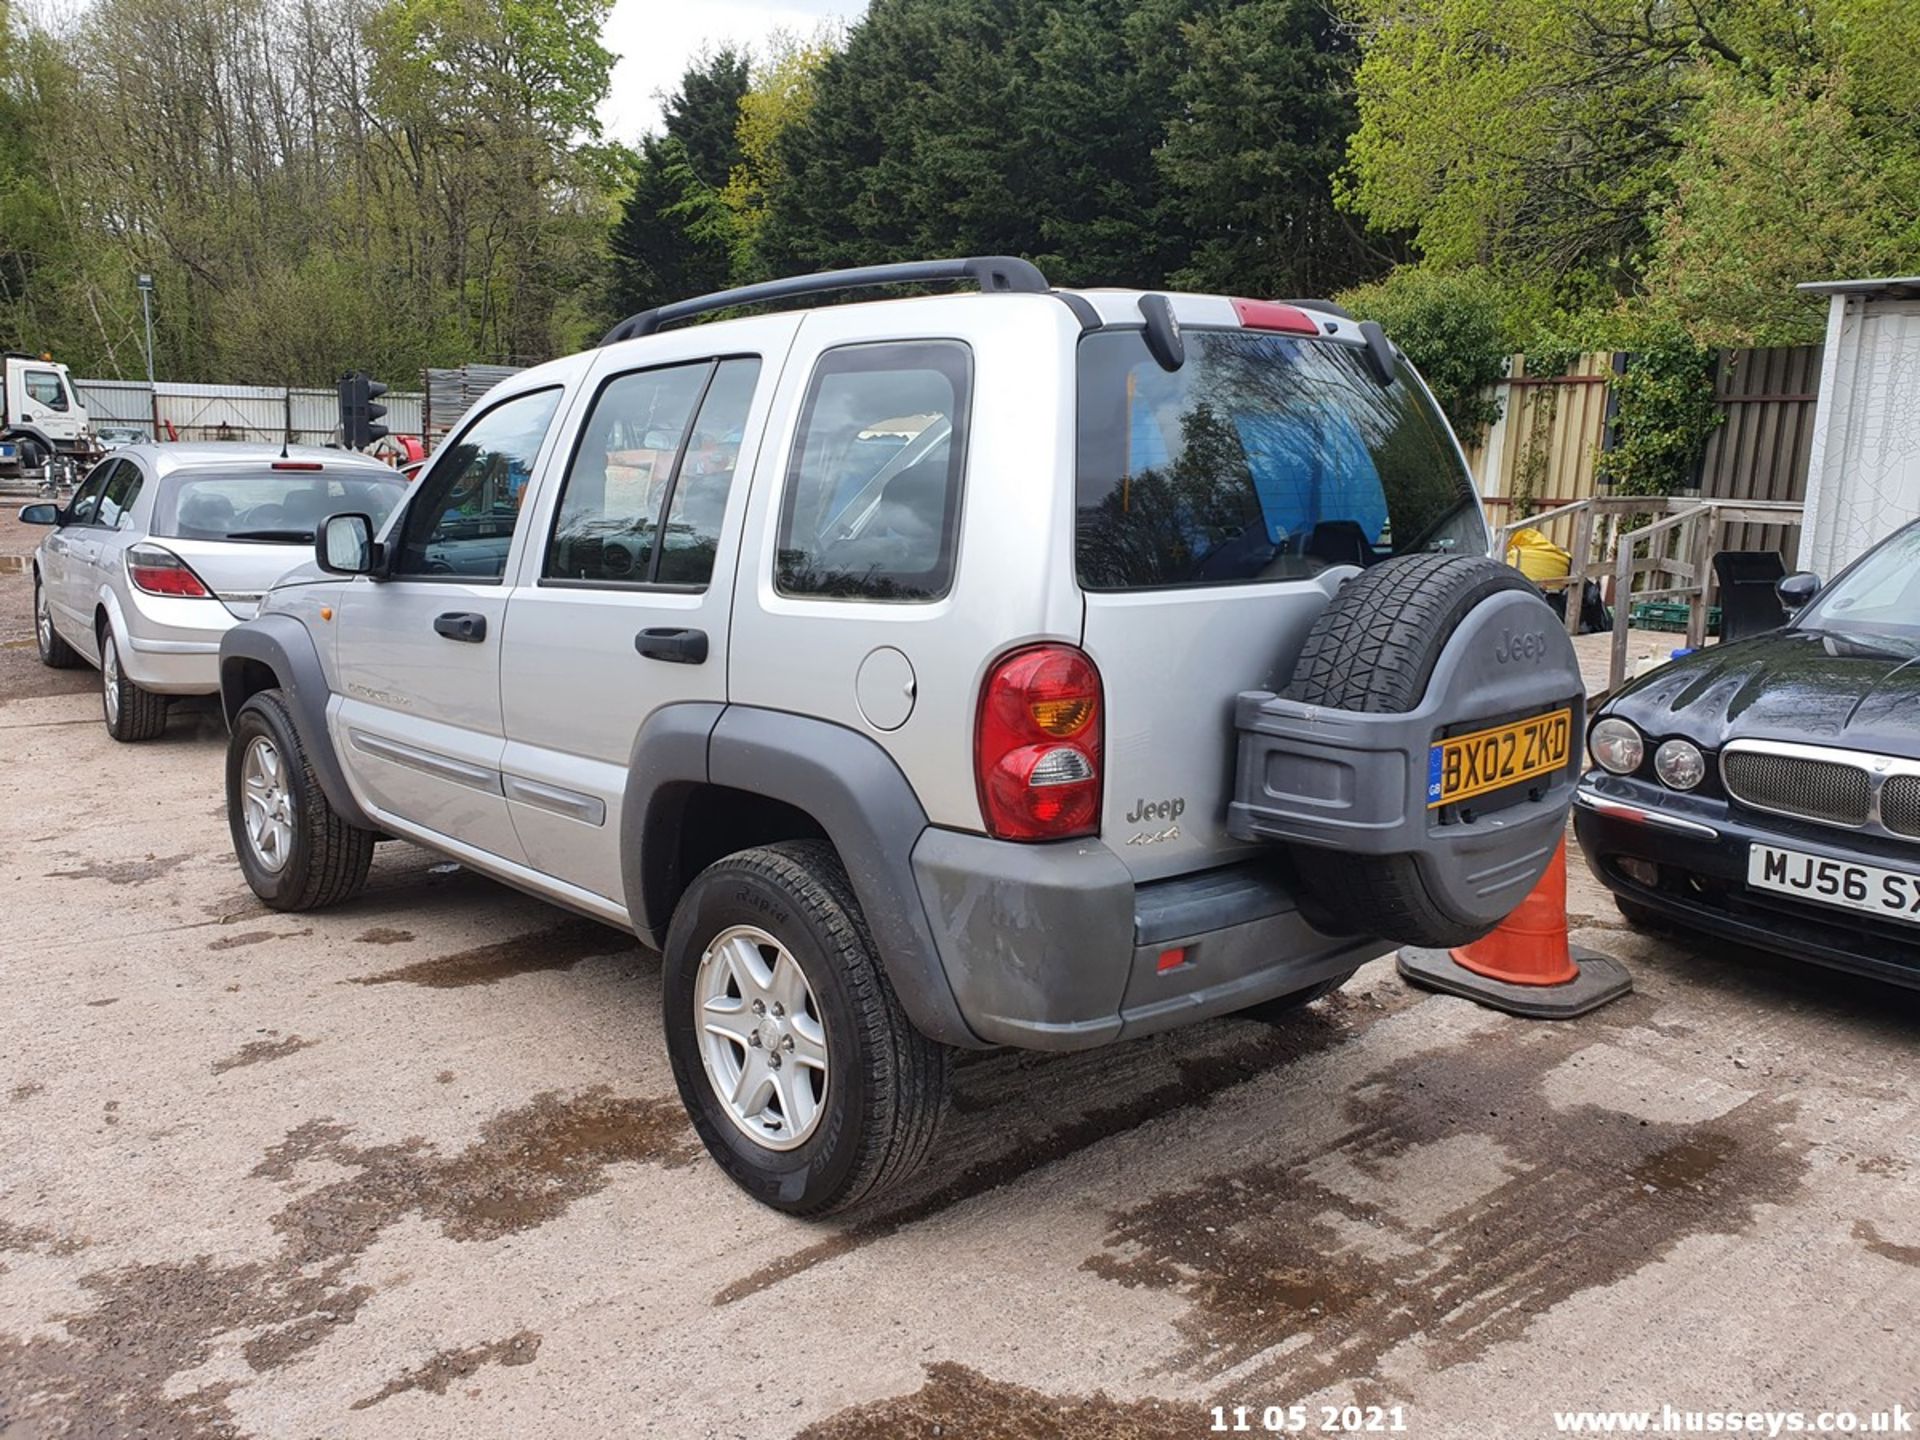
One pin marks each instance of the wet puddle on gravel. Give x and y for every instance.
(558, 948)
(985, 1086)
(1308, 1270)
(151, 1322)
(963, 1404)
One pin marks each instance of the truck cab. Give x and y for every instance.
(40, 415)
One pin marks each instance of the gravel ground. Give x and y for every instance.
(416, 1167)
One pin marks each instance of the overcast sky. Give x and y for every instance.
(656, 38)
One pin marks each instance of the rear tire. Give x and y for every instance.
(876, 1088)
(55, 653)
(295, 850)
(131, 713)
(1374, 649)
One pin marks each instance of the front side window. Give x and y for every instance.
(1264, 457)
(45, 386)
(657, 443)
(86, 500)
(460, 525)
(122, 489)
(872, 503)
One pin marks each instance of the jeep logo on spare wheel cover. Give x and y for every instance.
(1421, 760)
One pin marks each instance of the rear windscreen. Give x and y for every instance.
(1264, 457)
(271, 506)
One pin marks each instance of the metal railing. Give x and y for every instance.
(1697, 527)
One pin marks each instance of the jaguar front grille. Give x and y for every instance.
(1831, 792)
(1900, 805)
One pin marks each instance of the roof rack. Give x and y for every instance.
(992, 273)
(1327, 306)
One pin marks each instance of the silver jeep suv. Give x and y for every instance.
(1024, 667)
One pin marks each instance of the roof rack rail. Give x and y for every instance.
(1323, 305)
(992, 273)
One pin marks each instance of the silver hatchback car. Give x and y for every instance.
(165, 547)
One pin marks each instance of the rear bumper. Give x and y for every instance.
(171, 646)
(173, 667)
(1700, 846)
(1053, 947)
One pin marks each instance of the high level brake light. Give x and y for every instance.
(1272, 315)
(1037, 745)
(161, 572)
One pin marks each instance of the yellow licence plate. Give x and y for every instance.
(1463, 766)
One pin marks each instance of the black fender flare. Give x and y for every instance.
(846, 782)
(284, 646)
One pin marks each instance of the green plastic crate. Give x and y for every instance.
(1669, 615)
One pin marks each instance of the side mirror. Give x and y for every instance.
(1797, 589)
(41, 514)
(345, 545)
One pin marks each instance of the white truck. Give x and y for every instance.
(41, 418)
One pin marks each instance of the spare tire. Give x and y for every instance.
(1374, 650)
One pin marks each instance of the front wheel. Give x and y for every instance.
(130, 712)
(797, 1064)
(296, 852)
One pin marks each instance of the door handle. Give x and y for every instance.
(682, 647)
(461, 625)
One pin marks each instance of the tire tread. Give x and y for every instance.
(338, 854)
(1372, 649)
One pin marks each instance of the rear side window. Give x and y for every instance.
(872, 500)
(1264, 457)
(657, 445)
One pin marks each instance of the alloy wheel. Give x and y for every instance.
(267, 808)
(110, 680)
(762, 1042)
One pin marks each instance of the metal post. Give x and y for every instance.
(146, 306)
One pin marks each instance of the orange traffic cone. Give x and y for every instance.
(1526, 966)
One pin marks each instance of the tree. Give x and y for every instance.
(1260, 115)
(675, 236)
(780, 96)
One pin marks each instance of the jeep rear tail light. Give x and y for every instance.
(161, 572)
(1036, 751)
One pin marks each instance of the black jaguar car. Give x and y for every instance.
(1768, 791)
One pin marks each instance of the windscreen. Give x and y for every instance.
(271, 506)
(1264, 457)
(1877, 603)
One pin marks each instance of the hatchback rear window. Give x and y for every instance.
(1264, 457)
(271, 506)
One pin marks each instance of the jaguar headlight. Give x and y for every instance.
(1617, 746)
(1679, 764)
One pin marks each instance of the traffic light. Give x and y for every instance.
(359, 415)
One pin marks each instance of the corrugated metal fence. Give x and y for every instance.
(451, 393)
(1762, 449)
(1545, 447)
(268, 413)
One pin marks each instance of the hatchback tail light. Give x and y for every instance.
(1037, 745)
(161, 572)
